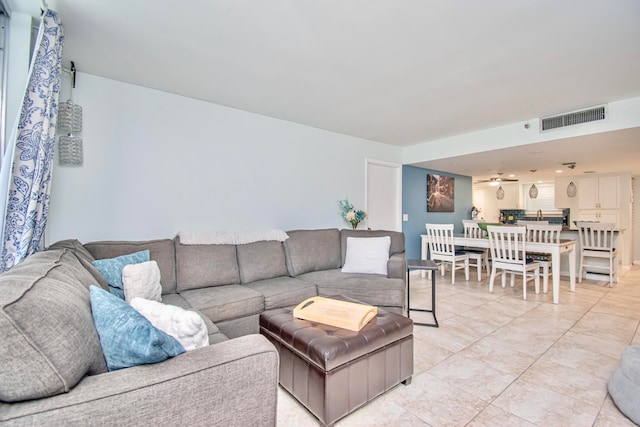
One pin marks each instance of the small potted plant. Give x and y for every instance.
(350, 214)
(474, 212)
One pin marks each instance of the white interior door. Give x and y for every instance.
(383, 195)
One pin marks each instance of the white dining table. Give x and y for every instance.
(554, 249)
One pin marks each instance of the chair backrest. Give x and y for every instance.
(440, 239)
(596, 236)
(473, 230)
(544, 233)
(527, 222)
(507, 244)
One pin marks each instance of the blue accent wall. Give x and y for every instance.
(414, 203)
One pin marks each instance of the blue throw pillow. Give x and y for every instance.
(111, 269)
(127, 337)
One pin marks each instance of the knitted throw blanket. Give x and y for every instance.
(231, 237)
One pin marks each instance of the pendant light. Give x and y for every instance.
(572, 190)
(533, 191)
(500, 193)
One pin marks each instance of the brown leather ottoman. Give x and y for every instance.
(333, 371)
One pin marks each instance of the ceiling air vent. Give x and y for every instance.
(574, 118)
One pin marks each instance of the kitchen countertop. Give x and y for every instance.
(616, 230)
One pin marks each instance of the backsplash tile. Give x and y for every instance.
(511, 216)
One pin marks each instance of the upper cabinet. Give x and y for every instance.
(598, 192)
(605, 198)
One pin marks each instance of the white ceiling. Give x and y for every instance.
(607, 152)
(400, 72)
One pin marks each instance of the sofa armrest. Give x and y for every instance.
(233, 383)
(397, 266)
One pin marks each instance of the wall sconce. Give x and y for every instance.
(533, 191)
(500, 193)
(70, 150)
(70, 122)
(572, 190)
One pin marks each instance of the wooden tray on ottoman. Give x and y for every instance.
(333, 312)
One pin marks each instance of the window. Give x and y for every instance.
(3, 36)
(545, 200)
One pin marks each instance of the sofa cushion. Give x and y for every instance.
(111, 269)
(367, 255)
(161, 251)
(126, 336)
(203, 266)
(312, 250)
(283, 291)
(371, 289)
(220, 303)
(186, 326)
(48, 339)
(142, 280)
(70, 265)
(85, 258)
(261, 260)
(215, 336)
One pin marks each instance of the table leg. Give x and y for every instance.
(408, 294)
(572, 269)
(555, 273)
(433, 299)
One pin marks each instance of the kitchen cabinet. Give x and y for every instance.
(609, 215)
(599, 199)
(598, 192)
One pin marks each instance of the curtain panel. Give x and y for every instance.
(28, 164)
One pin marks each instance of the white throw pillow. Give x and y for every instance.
(141, 281)
(184, 325)
(367, 255)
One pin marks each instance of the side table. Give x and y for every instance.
(425, 265)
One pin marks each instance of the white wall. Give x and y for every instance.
(157, 163)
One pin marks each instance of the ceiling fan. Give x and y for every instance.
(497, 180)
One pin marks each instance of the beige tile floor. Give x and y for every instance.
(498, 360)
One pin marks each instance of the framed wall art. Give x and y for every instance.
(440, 193)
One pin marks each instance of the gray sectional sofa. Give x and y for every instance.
(52, 370)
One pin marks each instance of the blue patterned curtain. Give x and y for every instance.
(27, 167)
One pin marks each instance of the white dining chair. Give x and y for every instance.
(480, 256)
(596, 242)
(442, 249)
(543, 233)
(509, 253)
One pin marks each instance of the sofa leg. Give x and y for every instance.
(407, 381)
